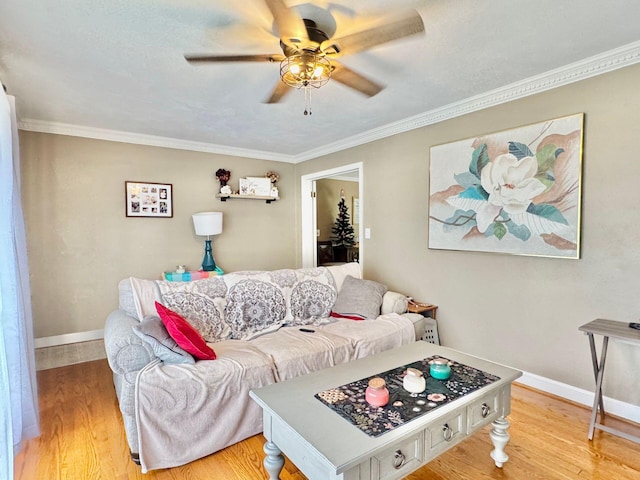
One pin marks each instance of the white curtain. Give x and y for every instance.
(19, 419)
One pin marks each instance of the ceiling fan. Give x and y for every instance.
(309, 53)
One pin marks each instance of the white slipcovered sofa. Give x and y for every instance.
(264, 327)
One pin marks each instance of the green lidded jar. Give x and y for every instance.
(439, 368)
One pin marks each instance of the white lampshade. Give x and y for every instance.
(207, 223)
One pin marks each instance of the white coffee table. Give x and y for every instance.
(324, 445)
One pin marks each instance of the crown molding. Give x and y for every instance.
(587, 68)
(151, 140)
(590, 67)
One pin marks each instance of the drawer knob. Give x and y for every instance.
(448, 432)
(486, 410)
(398, 459)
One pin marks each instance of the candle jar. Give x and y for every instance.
(180, 269)
(376, 393)
(414, 381)
(439, 368)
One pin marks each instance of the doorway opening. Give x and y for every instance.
(309, 209)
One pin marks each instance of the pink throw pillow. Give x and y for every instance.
(184, 334)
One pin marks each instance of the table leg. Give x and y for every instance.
(598, 403)
(596, 368)
(274, 461)
(499, 437)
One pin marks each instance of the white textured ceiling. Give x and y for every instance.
(118, 65)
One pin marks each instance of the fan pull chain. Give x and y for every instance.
(307, 101)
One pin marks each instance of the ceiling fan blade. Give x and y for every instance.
(352, 79)
(290, 25)
(409, 24)
(234, 58)
(279, 92)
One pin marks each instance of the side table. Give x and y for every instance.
(428, 311)
(616, 330)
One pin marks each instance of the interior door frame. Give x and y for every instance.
(309, 214)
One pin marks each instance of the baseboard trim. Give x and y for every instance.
(581, 396)
(67, 338)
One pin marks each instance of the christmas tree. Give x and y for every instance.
(343, 235)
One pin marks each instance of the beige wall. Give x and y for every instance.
(327, 198)
(521, 311)
(80, 242)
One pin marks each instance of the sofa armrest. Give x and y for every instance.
(126, 352)
(394, 302)
(419, 324)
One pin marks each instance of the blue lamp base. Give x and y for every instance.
(208, 263)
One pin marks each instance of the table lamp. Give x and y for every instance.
(207, 224)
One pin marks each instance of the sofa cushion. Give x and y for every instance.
(184, 334)
(254, 307)
(360, 297)
(201, 303)
(371, 337)
(295, 352)
(144, 294)
(340, 272)
(153, 331)
(306, 293)
(311, 301)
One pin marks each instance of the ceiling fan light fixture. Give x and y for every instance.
(307, 69)
(319, 71)
(294, 69)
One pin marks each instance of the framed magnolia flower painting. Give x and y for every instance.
(516, 191)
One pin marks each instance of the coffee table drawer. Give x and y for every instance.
(447, 431)
(483, 410)
(399, 460)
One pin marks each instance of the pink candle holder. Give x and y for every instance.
(376, 393)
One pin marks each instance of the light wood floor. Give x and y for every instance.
(82, 438)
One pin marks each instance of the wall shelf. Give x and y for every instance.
(223, 198)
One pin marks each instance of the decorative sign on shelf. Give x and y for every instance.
(249, 186)
(258, 186)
